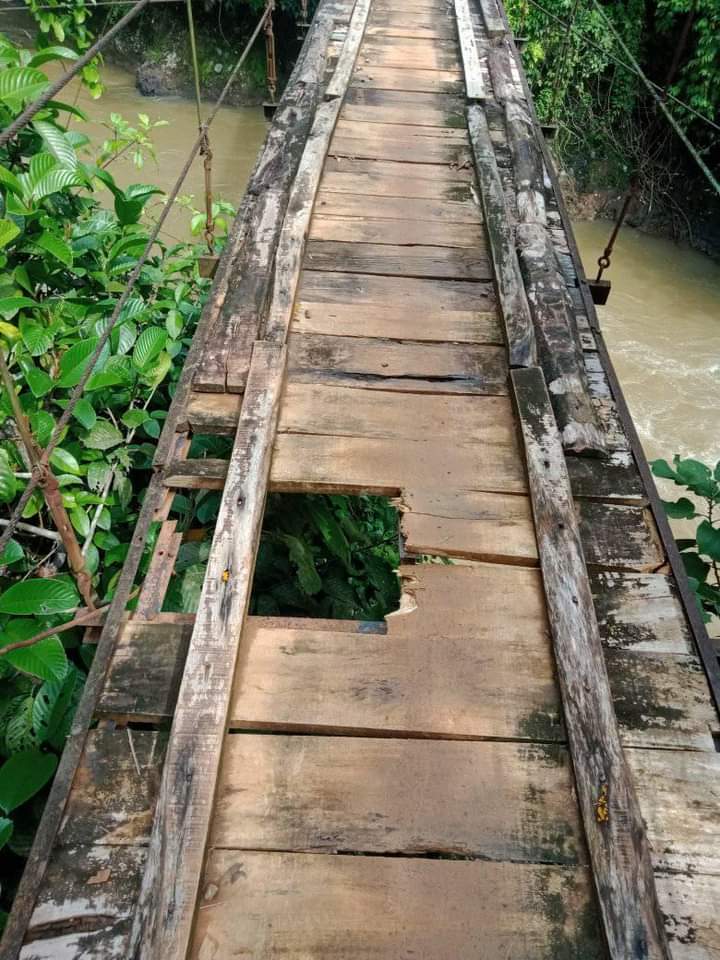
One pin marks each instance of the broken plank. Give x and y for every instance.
(441, 263)
(166, 905)
(513, 302)
(617, 841)
(160, 571)
(614, 478)
(350, 48)
(312, 464)
(370, 306)
(330, 794)
(405, 366)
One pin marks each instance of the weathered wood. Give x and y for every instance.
(689, 905)
(157, 578)
(388, 178)
(206, 474)
(333, 794)
(270, 183)
(500, 66)
(370, 144)
(388, 260)
(559, 349)
(526, 163)
(613, 478)
(164, 916)
(348, 55)
(354, 305)
(618, 845)
(414, 80)
(638, 611)
(513, 302)
(392, 230)
(212, 413)
(347, 205)
(406, 366)
(474, 83)
(494, 26)
(297, 906)
(618, 537)
(404, 106)
(407, 54)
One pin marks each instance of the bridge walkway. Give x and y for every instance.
(423, 786)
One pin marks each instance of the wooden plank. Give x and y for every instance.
(558, 344)
(618, 537)
(680, 798)
(164, 916)
(466, 524)
(407, 149)
(440, 263)
(213, 413)
(513, 302)
(414, 209)
(431, 55)
(418, 80)
(267, 905)
(380, 178)
(661, 701)
(404, 107)
(474, 82)
(617, 841)
(689, 905)
(338, 304)
(334, 794)
(131, 690)
(613, 478)
(527, 164)
(400, 232)
(348, 55)
(639, 611)
(312, 464)
(361, 130)
(334, 410)
(494, 25)
(439, 671)
(376, 364)
(270, 183)
(160, 571)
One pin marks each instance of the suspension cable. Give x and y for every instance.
(77, 65)
(64, 419)
(712, 180)
(23, 8)
(621, 63)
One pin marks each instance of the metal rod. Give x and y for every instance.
(604, 259)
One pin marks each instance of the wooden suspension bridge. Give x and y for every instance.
(521, 762)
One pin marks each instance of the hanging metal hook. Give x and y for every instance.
(271, 63)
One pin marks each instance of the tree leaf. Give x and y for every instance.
(39, 597)
(682, 509)
(9, 306)
(74, 361)
(57, 143)
(65, 461)
(97, 475)
(708, 540)
(54, 707)
(8, 230)
(9, 180)
(23, 775)
(8, 483)
(11, 553)
(103, 436)
(55, 247)
(39, 382)
(45, 659)
(48, 54)
(84, 413)
(6, 829)
(36, 338)
(57, 180)
(149, 345)
(21, 83)
(661, 468)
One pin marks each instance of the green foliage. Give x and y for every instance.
(701, 553)
(66, 22)
(69, 237)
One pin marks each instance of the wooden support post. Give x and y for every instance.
(166, 907)
(474, 84)
(617, 841)
(511, 292)
(527, 163)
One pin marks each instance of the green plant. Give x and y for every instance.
(67, 22)
(125, 139)
(701, 553)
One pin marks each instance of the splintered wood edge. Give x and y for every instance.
(614, 828)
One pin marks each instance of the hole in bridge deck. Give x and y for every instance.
(323, 556)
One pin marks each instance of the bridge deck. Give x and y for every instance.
(406, 789)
